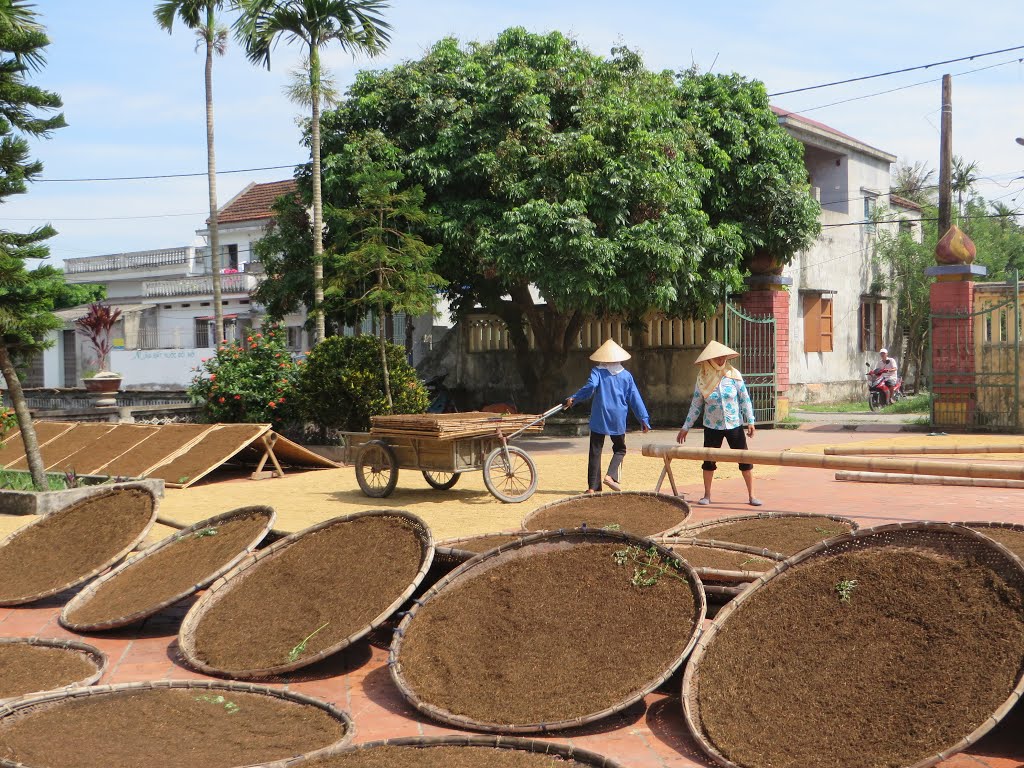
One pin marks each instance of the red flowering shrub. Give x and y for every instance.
(249, 381)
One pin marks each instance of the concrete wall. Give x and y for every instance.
(149, 368)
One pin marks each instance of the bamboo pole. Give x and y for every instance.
(1007, 471)
(886, 477)
(901, 450)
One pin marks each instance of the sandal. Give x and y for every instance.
(755, 502)
(704, 501)
(613, 484)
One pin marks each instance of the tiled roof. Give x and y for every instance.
(253, 203)
(796, 119)
(780, 112)
(902, 202)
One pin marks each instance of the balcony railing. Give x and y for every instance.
(136, 260)
(199, 286)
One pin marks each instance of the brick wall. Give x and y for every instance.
(776, 304)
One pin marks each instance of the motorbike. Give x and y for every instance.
(441, 400)
(876, 396)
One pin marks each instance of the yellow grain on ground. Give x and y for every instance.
(10, 523)
(304, 498)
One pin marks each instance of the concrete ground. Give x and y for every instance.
(648, 734)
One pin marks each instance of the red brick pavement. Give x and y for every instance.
(648, 735)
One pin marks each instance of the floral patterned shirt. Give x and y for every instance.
(722, 410)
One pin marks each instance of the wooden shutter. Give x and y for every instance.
(878, 325)
(812, 318)
(825, 324)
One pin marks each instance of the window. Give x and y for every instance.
(870, 203)
(229, 257)
(295, 337)
(203, 333)
(817, 323)
(870, 325)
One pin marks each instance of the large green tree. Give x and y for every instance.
(26, 295)
(201, 17)
(354, 25)
(611, 189)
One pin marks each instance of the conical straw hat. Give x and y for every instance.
(715, 349)
(610, 352)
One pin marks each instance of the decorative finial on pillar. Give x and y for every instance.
(955, 247)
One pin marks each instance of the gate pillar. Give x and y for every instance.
(769, 295)
(954, 385)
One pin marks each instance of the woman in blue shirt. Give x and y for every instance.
(614, 393)
(721, 393)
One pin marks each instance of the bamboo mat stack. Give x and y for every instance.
(450, 426)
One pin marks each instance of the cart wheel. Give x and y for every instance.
(377, 469)
(512, 481)
(440, 481)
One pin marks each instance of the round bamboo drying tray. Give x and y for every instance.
(13, 709)
(186, 635)
(709, 576)
(450, 551)
(546, 540)
(581, 498)
(537, 746)
(95, 655)
(99, 569)
(698, 530)
(980, 526)
(89, 592)
(937, 536)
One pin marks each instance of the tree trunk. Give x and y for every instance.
(383, 334)
(318, 208)
(211, 176)
(28, 432)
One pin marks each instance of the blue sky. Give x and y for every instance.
(134, 102)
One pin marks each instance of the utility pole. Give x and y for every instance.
(946, 157)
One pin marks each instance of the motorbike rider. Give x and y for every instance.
(886, 372)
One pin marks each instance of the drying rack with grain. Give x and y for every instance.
(444, 445)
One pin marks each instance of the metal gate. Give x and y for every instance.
(754, 338)
(975, 360)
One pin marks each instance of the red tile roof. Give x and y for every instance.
(780, 112)
(253, 203)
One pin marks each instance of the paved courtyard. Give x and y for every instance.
(647, 735)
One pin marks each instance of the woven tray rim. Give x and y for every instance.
(96, 656)
(447, 548)
(690, 530)
(539, 746)
(676, 500)
(690, 714)
(725, 574)
(90, 591)
(589, 534)
(235, 576)
(100, 568)
(340, 715)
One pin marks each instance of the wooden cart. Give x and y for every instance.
(509, 472)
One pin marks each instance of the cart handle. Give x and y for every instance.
(546, 414)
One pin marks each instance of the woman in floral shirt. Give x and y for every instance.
(723, 396)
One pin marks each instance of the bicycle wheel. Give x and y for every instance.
(513, 480)
(440, 481)
(377, 469)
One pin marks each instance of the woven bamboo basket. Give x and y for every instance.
(25, 706)
(529, 523)
(712, 576)
(939, 537)
(451, 551)
(87, 594)
(705, 530)
(237, 575)
(99, 569)
(94, 655)
(535, 746)
(541, 542)
(981, 526)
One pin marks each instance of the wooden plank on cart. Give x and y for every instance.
(450, 426)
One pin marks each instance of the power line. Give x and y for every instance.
(926, 218)
(169, 175)
(895, 71)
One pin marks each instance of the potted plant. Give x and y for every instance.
(96, 326)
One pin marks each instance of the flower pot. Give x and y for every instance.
(763, 263)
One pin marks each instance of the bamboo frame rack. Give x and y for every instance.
(907, 450)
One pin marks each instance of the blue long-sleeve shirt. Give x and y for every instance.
(613, 396)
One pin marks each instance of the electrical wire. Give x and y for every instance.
(169, 175)
(895, 71)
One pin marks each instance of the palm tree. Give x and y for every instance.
(963, 179)
(914, 181)
(357, 26)
(200, 15)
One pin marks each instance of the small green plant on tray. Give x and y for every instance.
(208, 531)
(611, 527)
(845, 589)
(299, 649)
(229, 705)
(649, 565)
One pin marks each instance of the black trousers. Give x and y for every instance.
(736, 438)
(594, 463)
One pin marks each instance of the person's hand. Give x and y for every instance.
(750, 430)
(645, 427)
(568, 403)
(681, 437)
